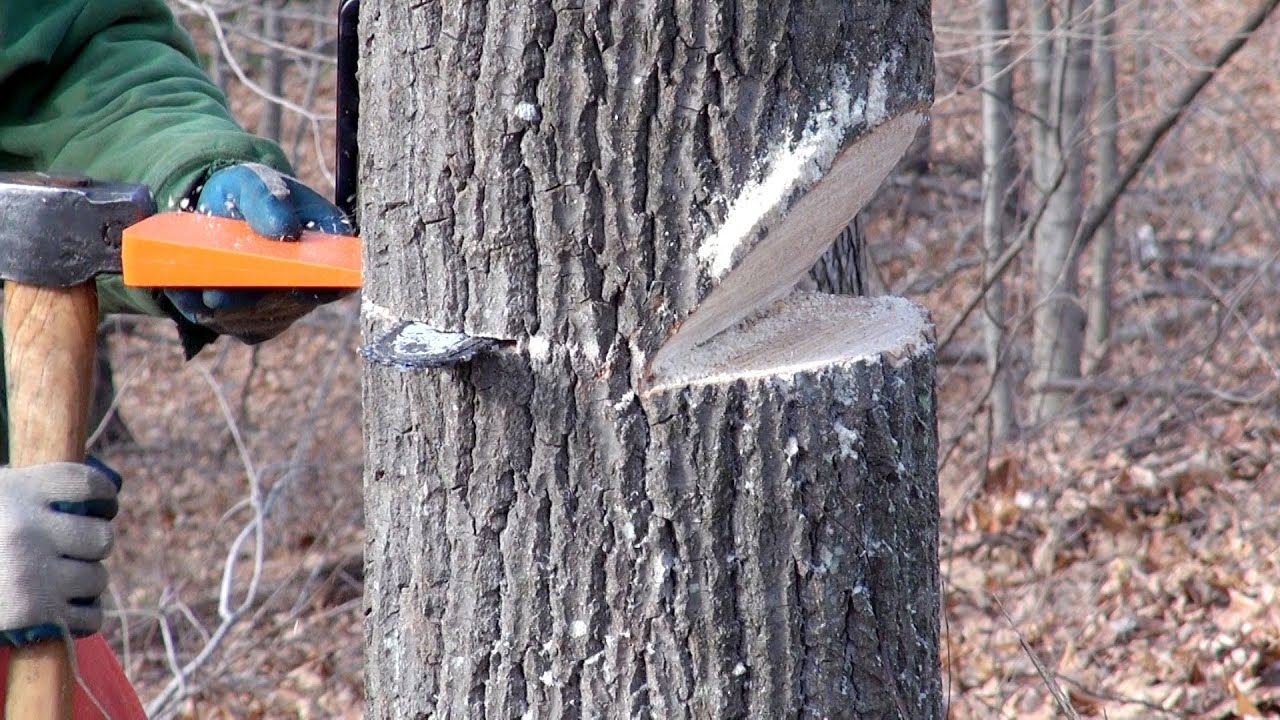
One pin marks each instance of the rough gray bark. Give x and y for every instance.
(845, 268)
(589, 523)
(1062, 86)
(999, 168)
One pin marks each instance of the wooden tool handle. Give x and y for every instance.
(49, 336)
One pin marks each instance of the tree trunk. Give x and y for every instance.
(677, 489)
(845, 268)
(273, 65)
(1059, 318)
(999, 169)
(1098, 338)
(918, 159)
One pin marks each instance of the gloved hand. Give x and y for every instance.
(274, 205)
(55, 530)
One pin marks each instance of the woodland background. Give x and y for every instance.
(1109, 537)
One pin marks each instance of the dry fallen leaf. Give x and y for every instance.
(1244, 706)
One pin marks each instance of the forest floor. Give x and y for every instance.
(1123, 559)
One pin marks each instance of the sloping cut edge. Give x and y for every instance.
(803, 332)
(790, 238)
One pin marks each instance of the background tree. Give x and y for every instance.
(999, 169)
(1060, 70)
(1098, 327)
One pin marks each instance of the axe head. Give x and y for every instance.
(61, 231)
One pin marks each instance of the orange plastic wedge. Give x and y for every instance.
(182, 249)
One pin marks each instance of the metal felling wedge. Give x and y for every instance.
(182, 249)
(410, 345)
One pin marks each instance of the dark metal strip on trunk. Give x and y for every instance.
(411, 345)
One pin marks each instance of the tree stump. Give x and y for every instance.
(678, 488)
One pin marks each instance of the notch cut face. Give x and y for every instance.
(792, 217)
(804, 332)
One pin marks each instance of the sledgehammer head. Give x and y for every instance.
(62, 231)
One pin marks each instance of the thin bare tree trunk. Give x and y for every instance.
(1059, 318)
(272, 69)
(1098, 334)
(1043, 155)
(1144, 55)
(1105, 198)
(999, 169)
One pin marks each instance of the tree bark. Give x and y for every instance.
(999, 168)
(846, 267)
(678, 489)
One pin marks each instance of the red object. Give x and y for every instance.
(100, 675)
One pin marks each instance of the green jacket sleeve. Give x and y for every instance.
(113, 90)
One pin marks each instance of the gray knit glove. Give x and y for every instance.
(55, 530)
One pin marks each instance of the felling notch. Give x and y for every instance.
(775, 231)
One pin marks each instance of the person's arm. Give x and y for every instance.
(113, 90)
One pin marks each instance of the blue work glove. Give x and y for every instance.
(55, 531)
(274, 205)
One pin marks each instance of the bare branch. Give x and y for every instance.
(1102, 207)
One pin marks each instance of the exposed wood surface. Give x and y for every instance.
(793, 233)
(802, 333)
